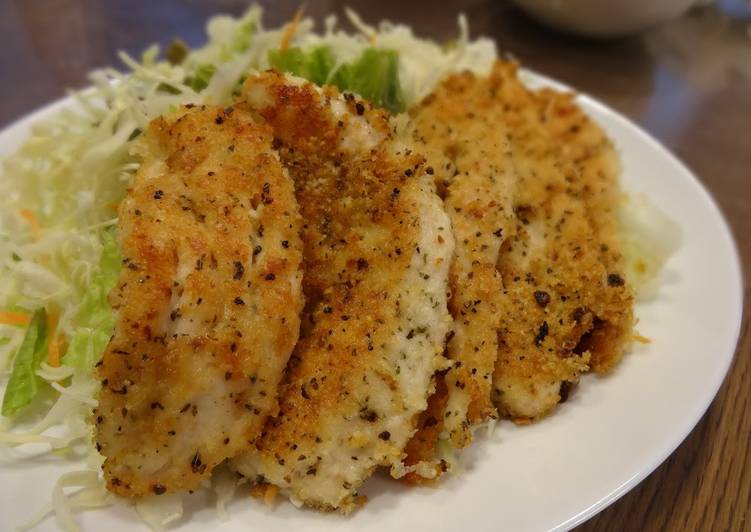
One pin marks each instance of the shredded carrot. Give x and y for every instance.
(31, 218)
(53, 348)
(14, 318)
(642, 339)
(290, 29)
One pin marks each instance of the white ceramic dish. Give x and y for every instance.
(604, 18)
(551, 475)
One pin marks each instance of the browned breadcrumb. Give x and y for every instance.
(375, 239)
(202, 334)
(564, 307)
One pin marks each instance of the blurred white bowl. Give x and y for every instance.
(604, 18)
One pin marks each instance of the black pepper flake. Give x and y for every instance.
(285, 244)
(615, 280)
(219, 120)
(429, 170)
(327, 310)
(385, 435)
(229, 110)
(313, 470)
(408, 172)
(360, 108)
(158, 194)
(541, 333)
(542, 298)
(395, 193)
(564, 391)
(362, 264)
(196, 465)
(257, 250)
(345, 317)
(239, 270)
(270, 277)
(185, 408)
(498, 232)
(265, 197)
(157, 404)
(239, 301)
(158, 489)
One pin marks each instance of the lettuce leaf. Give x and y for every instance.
(315, 65)
(24, 383)
(200, 79)
(95, 318)
(374, 75)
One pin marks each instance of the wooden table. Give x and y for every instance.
(688, 83)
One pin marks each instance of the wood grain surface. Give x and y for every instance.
(687, 82)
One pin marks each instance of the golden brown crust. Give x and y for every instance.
(561, 271)
(461, 130)
(563, 307)
(207, 302)
(585, 147)
(376, 252)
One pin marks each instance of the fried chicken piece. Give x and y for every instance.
(584, 146)
(377, 248)
(563, 306)
(460, 128)
(567, 304)
(207, 303)
(462, 133)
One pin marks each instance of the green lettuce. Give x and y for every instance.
(24, 383)
(315, 65)
(374, 75)
(95, 318)
(201, 77)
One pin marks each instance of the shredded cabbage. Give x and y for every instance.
(649, 237)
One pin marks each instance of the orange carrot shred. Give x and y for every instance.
(290, 29)
(14, 318)
(33, 222)
(53, 348)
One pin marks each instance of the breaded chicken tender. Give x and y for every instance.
(207, 303)
(377, 248)
(462, 133)
(562, 307)
(568, 306)
(586, 148)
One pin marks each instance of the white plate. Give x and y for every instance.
(556, 473)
